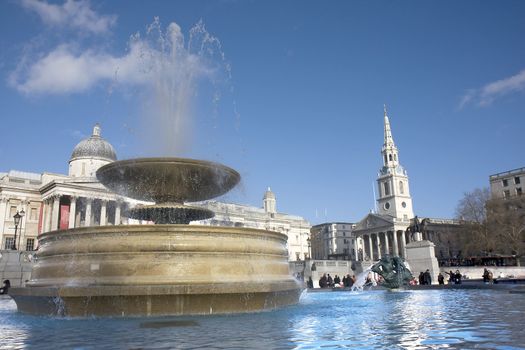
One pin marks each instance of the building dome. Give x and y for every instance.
(94, 147)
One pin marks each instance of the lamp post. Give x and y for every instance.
(16, 218)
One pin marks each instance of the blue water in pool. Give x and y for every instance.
(426, 319)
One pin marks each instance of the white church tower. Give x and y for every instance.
(394, 192)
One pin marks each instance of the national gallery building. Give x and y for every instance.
(32, 204)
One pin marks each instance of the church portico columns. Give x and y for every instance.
(403, 244)
(72, 211)
(371, 251)
(394, 243)
(378, 245)
(387, 245)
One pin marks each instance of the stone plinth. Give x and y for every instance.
(420, 256)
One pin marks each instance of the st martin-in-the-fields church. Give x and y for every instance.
(384, 232)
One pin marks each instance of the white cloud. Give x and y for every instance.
(67, 70)
(485, 95)
(73, 13)
(62, 71)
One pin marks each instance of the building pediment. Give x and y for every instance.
(373, 221)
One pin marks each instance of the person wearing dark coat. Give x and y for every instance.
(5, 287)
(310, 283)
(441, 278)
(323, 281)
(421, 278)
(427, 279)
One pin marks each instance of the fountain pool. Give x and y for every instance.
(425, 319)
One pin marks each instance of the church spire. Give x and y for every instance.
(389, 140)
(389, 150)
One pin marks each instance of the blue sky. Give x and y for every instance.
(302, 111)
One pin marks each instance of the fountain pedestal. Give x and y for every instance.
(164, 269)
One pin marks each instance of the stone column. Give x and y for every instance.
(87, 221)
(72, 212)
(356, 251)
(56, 210)
(403, 245)
(3, 210)
(370, 246)
(378, 239)
(387, 246)
(117, 213)
(47, 225)
(394, 242)
(103, 209)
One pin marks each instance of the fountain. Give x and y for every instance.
(166, 268)
(393, 271)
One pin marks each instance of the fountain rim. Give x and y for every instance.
(159, 229)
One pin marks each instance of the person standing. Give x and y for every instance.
(441, 278)
(427, 278)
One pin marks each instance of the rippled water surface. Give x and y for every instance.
(430, 319)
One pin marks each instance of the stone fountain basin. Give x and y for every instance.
(144, 270)
(168, 179)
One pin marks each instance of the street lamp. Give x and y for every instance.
(17, 217)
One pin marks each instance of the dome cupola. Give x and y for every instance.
(90, 154)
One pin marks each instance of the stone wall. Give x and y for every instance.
(15, 266)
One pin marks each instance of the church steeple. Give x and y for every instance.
(394, 194)
(389, 150)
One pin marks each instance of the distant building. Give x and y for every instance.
(266, 218)
(333, 240)
(54, 201)
(507, 184)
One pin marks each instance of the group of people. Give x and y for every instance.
(454, 277)
(425, 278)
(326, 281)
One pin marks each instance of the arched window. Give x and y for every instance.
(390, 157)
(395, 157)
(385, 159)
(401, 187)
(387, 188)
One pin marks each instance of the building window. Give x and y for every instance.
(30, 244)
(8, 243)
(506, 194)
(387, 206)
(403, 204)
(387, 188)
(390, 157)
(385, 159)
(405, 217)
(518, 191)
(12, 211)
(401, 187)
(517, 180)
(505, 182)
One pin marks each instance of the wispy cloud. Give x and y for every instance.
(72, 13)
(486, 95)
